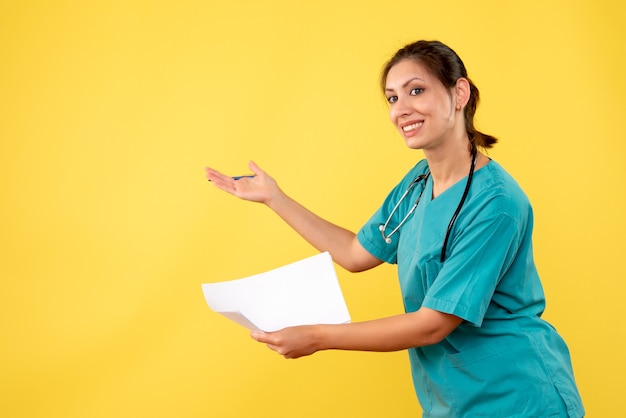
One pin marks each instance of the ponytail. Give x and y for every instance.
(477, 138)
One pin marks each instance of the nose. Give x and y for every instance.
(400, 108)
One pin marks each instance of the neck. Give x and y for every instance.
(448, 167)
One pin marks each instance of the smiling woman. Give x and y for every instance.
(443, 67)
(109, 110)
(472, 295)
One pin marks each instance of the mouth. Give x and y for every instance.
(412, 126)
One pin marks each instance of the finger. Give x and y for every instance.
(270, 340)
(280, 350)
(263, 337)
(211, 171)
(255, 168)
(213, 174)
(221, 181)
(260, 336)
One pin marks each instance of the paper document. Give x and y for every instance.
(306, 292)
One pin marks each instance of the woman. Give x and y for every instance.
(459, 227)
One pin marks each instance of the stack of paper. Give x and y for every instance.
(302, 293)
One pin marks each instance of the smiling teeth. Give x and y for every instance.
(412, 126)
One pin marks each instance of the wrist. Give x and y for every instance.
(322, 334)
(275, 201)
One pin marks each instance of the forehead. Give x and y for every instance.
(406, 70)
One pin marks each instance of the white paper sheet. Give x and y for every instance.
(302, 293)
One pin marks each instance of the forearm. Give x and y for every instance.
(323, 235)
(341, 243)
(417, 329)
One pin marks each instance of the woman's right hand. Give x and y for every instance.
(341, 243)
(260, 188)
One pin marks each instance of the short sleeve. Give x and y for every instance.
(370, 235)
(467, 280)
(371, 239)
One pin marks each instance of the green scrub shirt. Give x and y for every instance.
(503, 360)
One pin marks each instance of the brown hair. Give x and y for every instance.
(443, 63)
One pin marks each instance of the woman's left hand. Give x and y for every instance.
(292, 342)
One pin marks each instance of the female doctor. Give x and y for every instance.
(459, 228)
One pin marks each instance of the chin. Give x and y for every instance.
(412, 144)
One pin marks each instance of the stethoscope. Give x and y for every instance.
(424, 178)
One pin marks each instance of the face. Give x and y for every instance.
(420, 107)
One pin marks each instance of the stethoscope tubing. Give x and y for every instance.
(424, 177)
(470, 176)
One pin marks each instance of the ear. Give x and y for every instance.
(461, 92)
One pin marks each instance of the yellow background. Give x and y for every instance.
(109, 110)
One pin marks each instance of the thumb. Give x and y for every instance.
(255, 168)
(260, 336)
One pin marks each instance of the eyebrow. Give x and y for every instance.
(407, 83)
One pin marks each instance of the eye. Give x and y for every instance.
(392, 99)
(416, 91)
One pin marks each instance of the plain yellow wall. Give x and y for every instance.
(109, 110)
